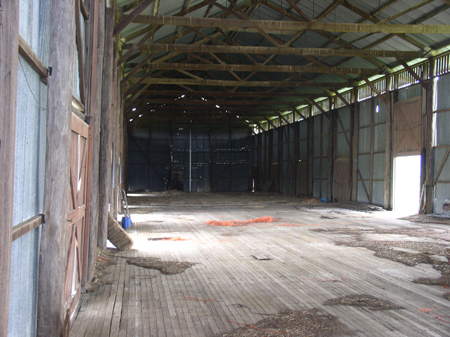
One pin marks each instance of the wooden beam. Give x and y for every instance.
(388, 154)
(92, 202)
(264, 84)
(292, 26)
(33, 60)
(130, 17)
(412, 73)
(260, 68)
(377, 92)
(354, 152)
(106, 130)
(348, 104)
(9, 55)
(281, 50)
(51, 311)
(27, 226)
(190, 109)
(298, 112)
(80, 52)
(187, 102)
(428, 142)
(267, 94)
(326, 113)
(84, 10)
(329, 9)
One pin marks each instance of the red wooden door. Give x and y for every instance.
(76, 220)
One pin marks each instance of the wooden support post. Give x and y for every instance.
(106, 132)
(331, 142)
(9, 33)
(98, 17)
(355, 141)
(372, 149)
(53, 249)
(388, 159)
(429, 160)
(296, 156)
(310, 122)
(280, 160)
(210, 161)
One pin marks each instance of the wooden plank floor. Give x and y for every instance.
(244, 273)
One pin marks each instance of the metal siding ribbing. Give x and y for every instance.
(442, 137)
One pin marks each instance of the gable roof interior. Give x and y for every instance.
(217, 72)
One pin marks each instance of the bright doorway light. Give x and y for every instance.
(407, 172)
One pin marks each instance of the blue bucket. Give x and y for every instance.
(126, 222)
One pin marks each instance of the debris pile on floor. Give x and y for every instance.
(299, 323)
(169, 238)
(165, 267)
(105, 258)
(443, 281)
(232, 223)
(372, 302)
(117, 235)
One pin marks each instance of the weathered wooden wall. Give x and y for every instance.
(53, 239)
(97, 14)
(106, 130)
(8, 79)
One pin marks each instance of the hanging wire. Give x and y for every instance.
(29, 86)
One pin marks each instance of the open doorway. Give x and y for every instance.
(407, 171)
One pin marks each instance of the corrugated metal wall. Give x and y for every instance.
(190, 159)
(442, 147)
(321, 156)
(29, 168)
(371, 151)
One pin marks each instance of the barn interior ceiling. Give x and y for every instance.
(244, 62)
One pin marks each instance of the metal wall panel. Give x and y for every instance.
(29, 171)
(442, 146)
(24, 279)
(371, 151)
(409, 92)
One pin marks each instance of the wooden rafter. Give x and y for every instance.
(130, 17)
(412, 73)
(248, 94)
(374, 88)
(259, 68)
(281, 50)
(221, 83)
(293, 26)
(244, 102)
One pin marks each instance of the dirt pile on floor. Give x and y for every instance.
(443, 281)
(165, 267)
(369, 301)
(299, 323)
(105, 258)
